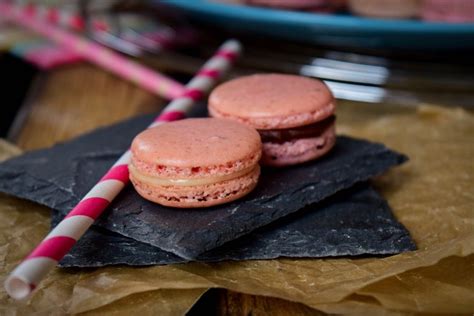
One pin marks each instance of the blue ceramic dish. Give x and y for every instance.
(329, 29)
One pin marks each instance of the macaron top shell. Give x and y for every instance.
(193, 147)
(268, 101)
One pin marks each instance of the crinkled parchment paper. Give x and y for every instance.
(432, 195)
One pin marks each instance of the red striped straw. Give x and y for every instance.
(23, 280)
(71, 19)
(142, 76)
(68, 18)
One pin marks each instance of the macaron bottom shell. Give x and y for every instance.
(199, 195)
(298, 150)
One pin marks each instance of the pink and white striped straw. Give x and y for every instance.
(23, 280)
(64, 17)
(142, 76)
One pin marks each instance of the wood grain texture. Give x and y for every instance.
(79, 98)
(232, 303)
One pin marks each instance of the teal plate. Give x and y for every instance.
(329, 29)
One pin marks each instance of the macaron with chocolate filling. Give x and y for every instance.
(195, 162)
(294, 115)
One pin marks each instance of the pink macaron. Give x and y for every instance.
(289, 4)
(389, 9)
(453, 11)
(330, 6)
(195, 162)
(294, 115)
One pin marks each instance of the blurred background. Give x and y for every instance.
(378, 52)
(67, 67)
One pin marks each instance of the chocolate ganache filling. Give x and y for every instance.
(288, 134)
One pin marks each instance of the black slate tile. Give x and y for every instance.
(58, 177)
(354, 222)
(280, 192)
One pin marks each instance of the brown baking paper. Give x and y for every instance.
(432, 195)
(24, 224)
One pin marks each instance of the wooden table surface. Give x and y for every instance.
(75, 99)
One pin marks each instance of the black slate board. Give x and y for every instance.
(354, 222)
(58, 177)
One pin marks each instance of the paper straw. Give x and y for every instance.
(101, 30)
(23, 280)
(68, 18)
(95, 53)
(46, 55)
